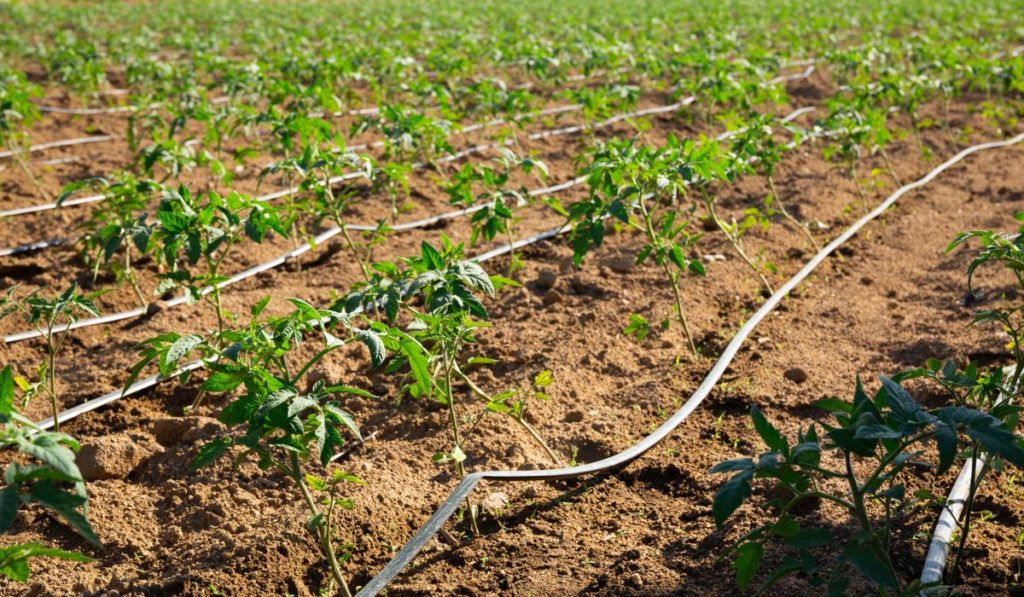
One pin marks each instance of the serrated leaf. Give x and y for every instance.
(747, 563)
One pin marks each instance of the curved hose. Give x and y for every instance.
(419, 165)
(324, 237)
(463, 489)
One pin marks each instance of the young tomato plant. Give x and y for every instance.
(886, 434)
(490, 185)
(293, 423)
(46, 475)
(436, 293)
(755, 144)
(704, 165)
(117, 223)
(52, 318)
(513, 403)
(200, 230)
(17, 113)
(315, 170)
(1006, 249)
(640, 187)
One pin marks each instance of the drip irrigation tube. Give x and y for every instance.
(56, 144)
(223, 99)
(463, 489)
(406, 555)
(353, 175)
(331, 233)
(949, 516)
(632, 453)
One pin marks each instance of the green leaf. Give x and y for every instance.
(67, 505)
(224, 380)
(417, 365)
(834, 405)
(771, 436)
(349, 390)
(431, 256)
(6, 392)
(9, 501)
(210, 452)
(809, 538)
(14, 558)
(747, 563)
(731, 495)
(867, 562)
(47, 448)
(178, 349)
(375, 345)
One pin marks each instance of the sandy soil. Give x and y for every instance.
(888, 302)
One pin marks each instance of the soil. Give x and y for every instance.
(889, 300)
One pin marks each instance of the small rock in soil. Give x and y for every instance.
(111, 457)
(552, 297)
(635, 580)
(795, 375)
(546, 279)
(573, 416)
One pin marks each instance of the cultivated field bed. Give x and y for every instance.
(563, 321)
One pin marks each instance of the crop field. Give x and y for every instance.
(520, 298)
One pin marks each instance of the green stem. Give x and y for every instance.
(792, 219)
(537, 438)
(652, 237)
(966, 515)
(735, 241)
(323, 534)
(351, 245)
(529, 428)
(51, 363)
(453, 421)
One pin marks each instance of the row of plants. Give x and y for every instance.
(419, 317)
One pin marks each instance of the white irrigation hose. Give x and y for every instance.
(463, 489)
(446, 159)
(406, 555)
(948, 522)
(331, 233)
(56, 144)
(227, 98)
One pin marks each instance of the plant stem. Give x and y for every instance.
(453, 421)
(323, 534)
(652, 238)
(512, 258)
(129, 275)
(529, 428)
(966, 515)
(20, 160)
(856, 184)
(888, 166)
(540, 440)
(351, 244)
(734, 241)
(861, 514)
(785, 212)
(51, 363)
